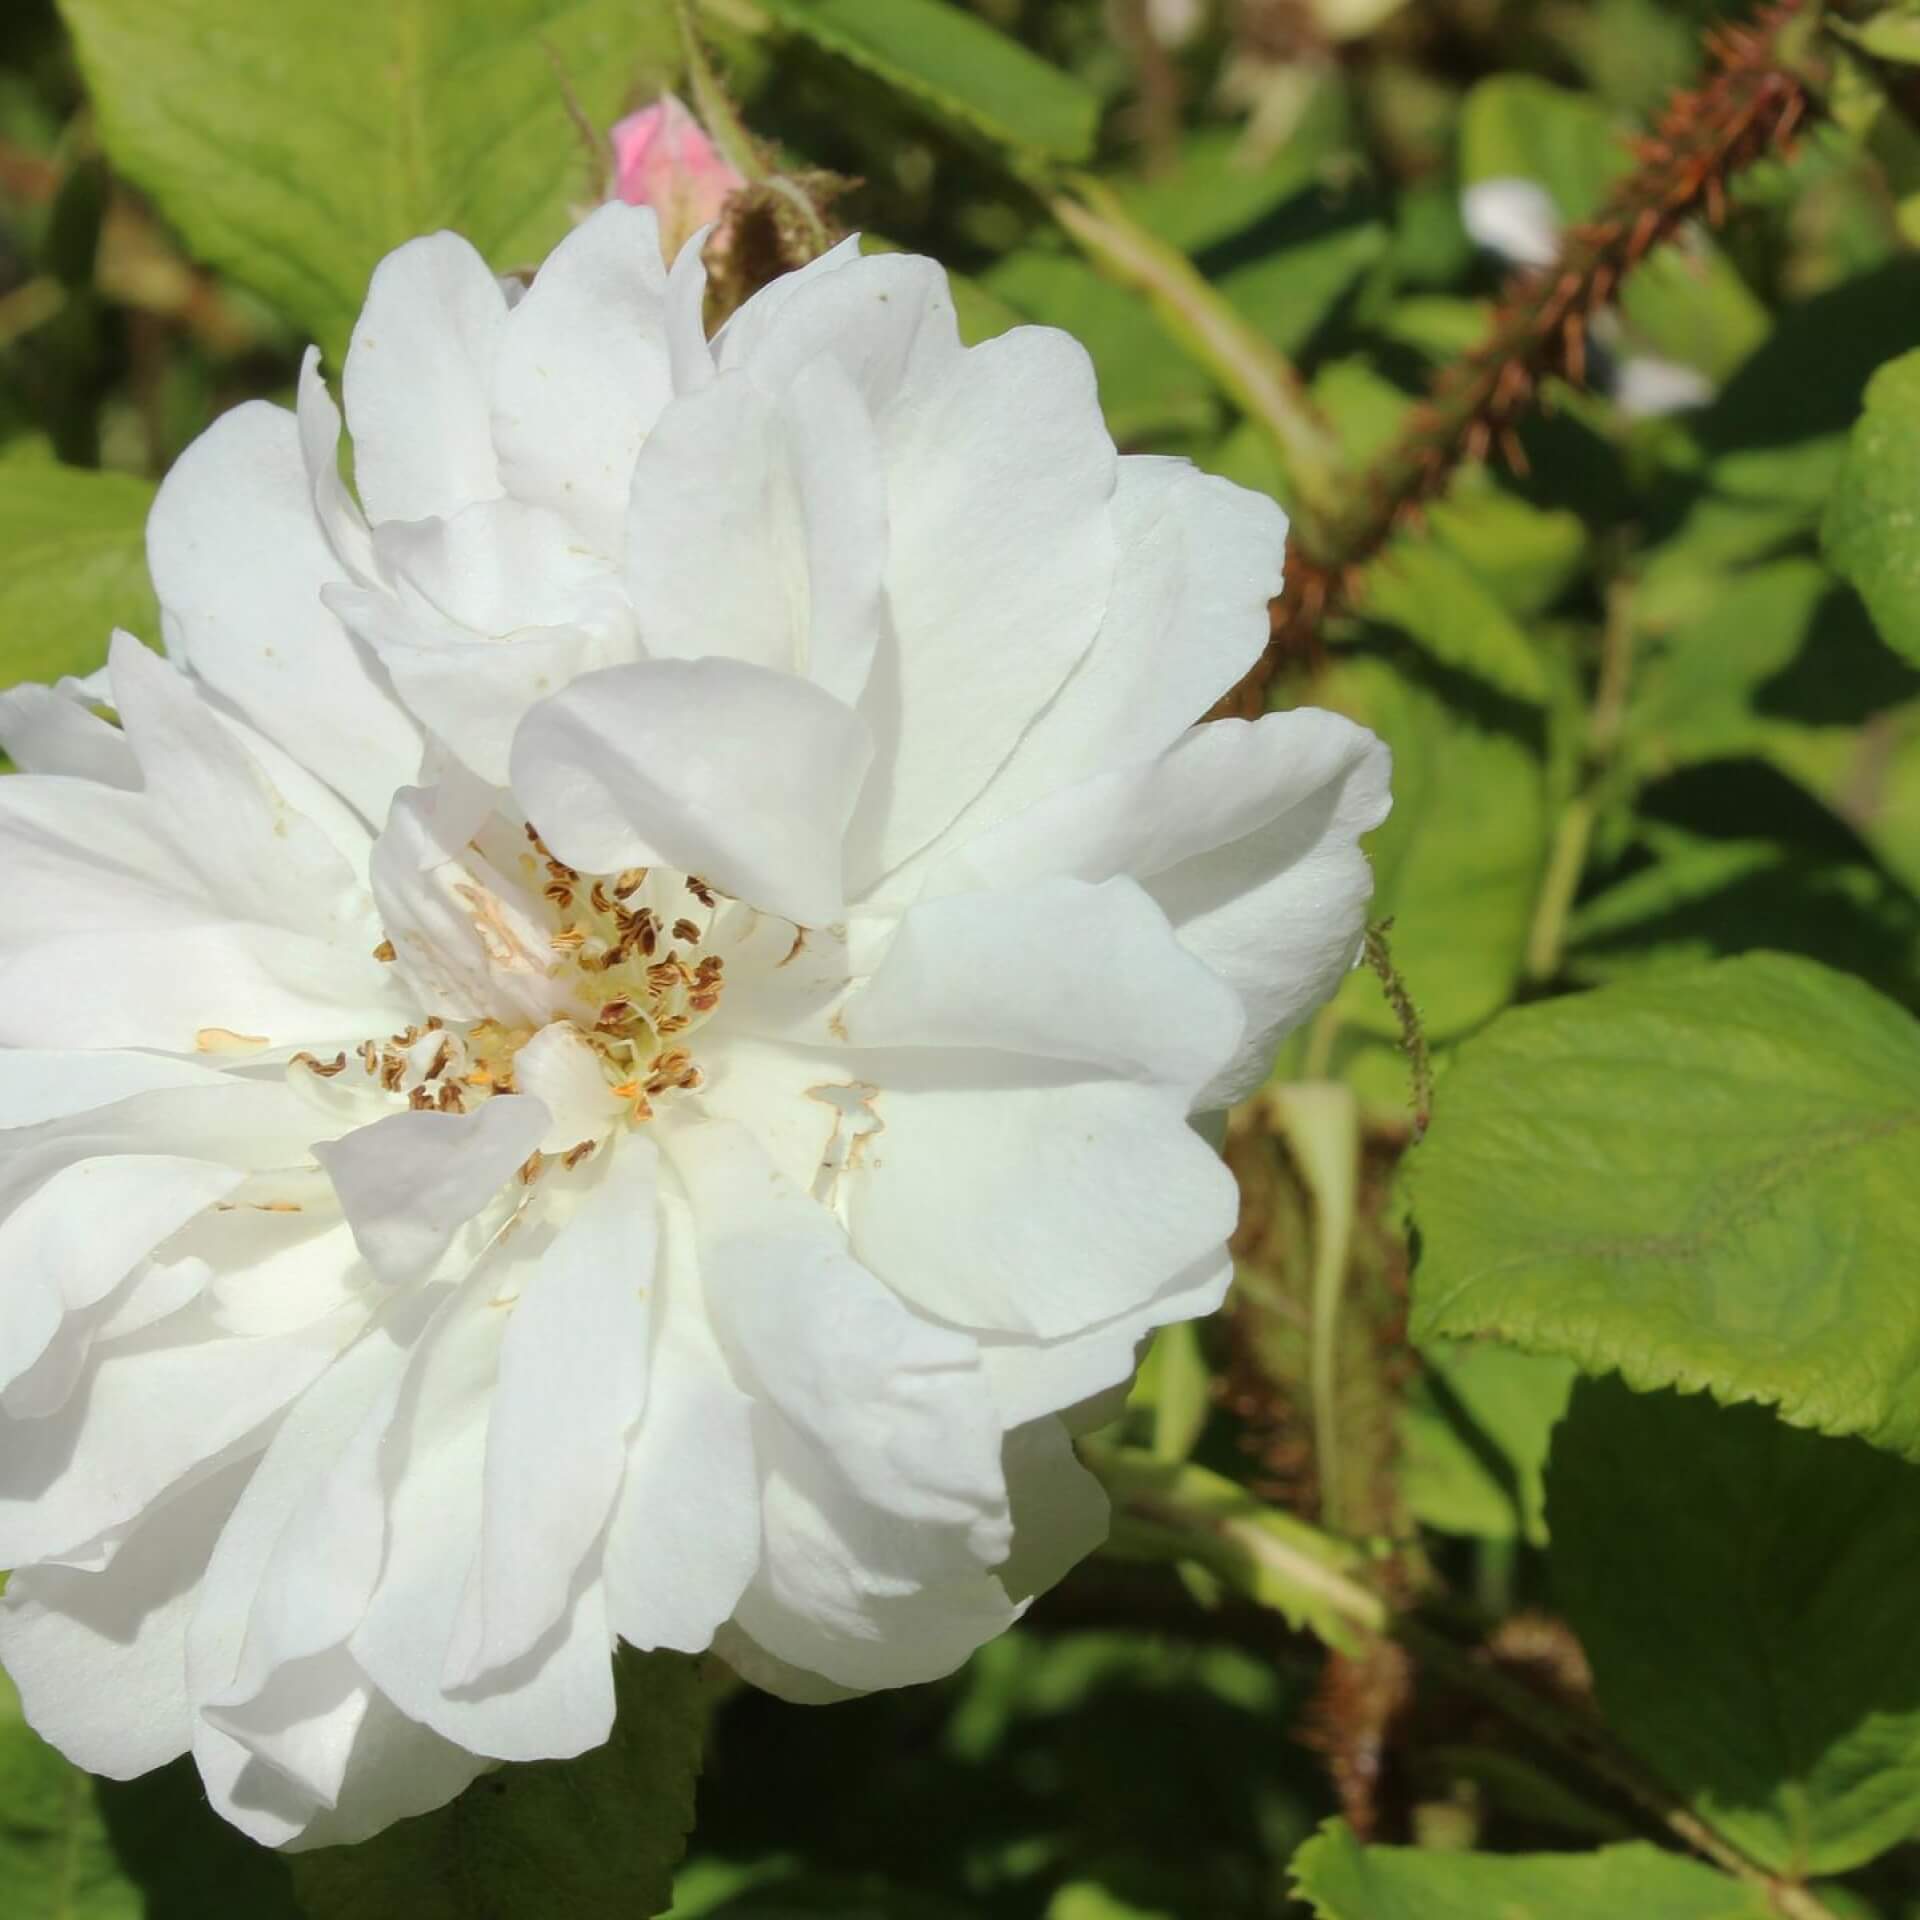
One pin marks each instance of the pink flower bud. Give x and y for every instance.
(663, 159)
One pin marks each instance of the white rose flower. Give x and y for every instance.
(665, 1176)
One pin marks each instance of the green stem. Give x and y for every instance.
(1573, 837)
(1321, 1124)
(1566, 862)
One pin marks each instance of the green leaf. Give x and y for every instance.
(1777, 431)
(1872, 530)
(1147, 384)
(185, 1859)
(1765, 1663)
(76, 567)
(1701, 1180)
(1220, 183)
(55, 1861)
(956, 67)
(1516, 127)
(1893, 35)
(1433, 596)
(1690, 897)
(1458, 862)
(1475, 1431)
(411, 115)
(1313, 253)
(597, 1835)
(1343, 1880)
(1526, 556)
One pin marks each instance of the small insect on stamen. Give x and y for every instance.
(385, 951)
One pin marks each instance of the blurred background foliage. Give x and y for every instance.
(1640, 720)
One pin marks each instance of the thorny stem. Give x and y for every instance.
(711, 105)
(1747, 106)
(1413, 1036)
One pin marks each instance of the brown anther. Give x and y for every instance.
(704, 1000)
(598, 895)
(559, 893)
(569, 939)
(326, 1069)
(369, 1057)
(385, 951)
(700, 890)
(393, 1070)
(631, 881)
(672, 1023)
(451, 1098)
(420, 1100)
(530, 1167)
(615, 1013)
(686, 930)
(574, 1155)
(441, 1060)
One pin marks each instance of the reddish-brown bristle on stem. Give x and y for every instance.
(1747, 105)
